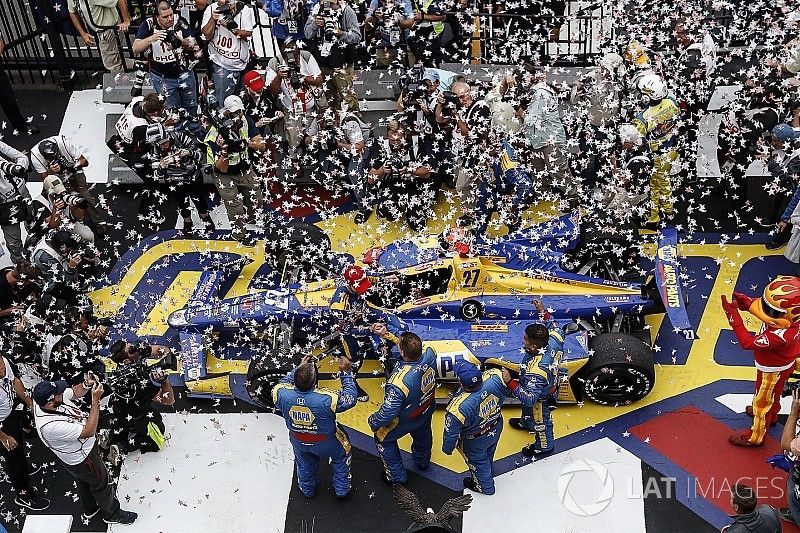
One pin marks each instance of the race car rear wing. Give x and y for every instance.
(667, 280)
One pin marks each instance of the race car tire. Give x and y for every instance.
(620, 370)
(619, 250)
(471, 310)
(263, 373)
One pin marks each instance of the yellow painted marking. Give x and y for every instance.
(175, 297)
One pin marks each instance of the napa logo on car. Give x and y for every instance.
(498, 328)
(301, 416)
(669, 280)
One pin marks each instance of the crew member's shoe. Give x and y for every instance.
(343, 497)
(776, 243)
(470, 484)
(122, 517)
(363, 396)
(362, 216)
(530, 451)
(739, 439)
(385, 478)
(516, 423)
(114, 455)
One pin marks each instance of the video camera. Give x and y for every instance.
(293, 70)
(12, 169)
(128, 378)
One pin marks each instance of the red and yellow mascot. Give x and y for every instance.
(775, 349)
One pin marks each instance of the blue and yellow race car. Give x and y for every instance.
(472, 305)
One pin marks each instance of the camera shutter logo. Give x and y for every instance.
(603, 499)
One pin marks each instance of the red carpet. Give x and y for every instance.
(305, 200)
(699, 444)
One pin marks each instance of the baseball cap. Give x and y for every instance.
(431, 75)
(253, 81)
(233, 104)
(47, 390)
(468, 374)
(784, 132)
(356, 279)
(52, 184)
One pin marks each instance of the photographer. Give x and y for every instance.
(294, 77)
(135, 424)
(288, 18)
(227, 26)
(229, 142)
(333, 31)
(175, 163)
(70, 434)
(343, 144)
(63, 262)
(172, 52)
(54, 209)
(401, 180)
(260, 106)
(56, 156)
(425, 37)
(387, 25)
(76, 351)
(14, 197)
(17, 289)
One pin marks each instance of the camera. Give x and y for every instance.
(138, 79)
(127, 379)
(451, 104)
(226, 17)
(52, 154)
(293, 69)
(12, 169)
(229, 130)
(74, 200)
(329, 16)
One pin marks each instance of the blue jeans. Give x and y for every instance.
(791, 499)
(226, 82)
(180, 92)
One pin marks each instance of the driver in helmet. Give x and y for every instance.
(659, 124)
(775, 349)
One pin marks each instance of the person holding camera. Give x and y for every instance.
(401, 180)
(294, 77)
(63, 262)
(17, 289)
(56, 208)
(175, 159)
(57, 156)
(288, 18)
(333, 32)
(135, 423)
(14, 198)
(343, 144)
(425, 36)
(227, 26)
(172, 52)
(229, 143)
(70, 434)
(387, 24)
(260, 106)
(76, 350)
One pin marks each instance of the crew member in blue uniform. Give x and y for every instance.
(473, 422)
(310, 413)
(407, 408)
(544, 346)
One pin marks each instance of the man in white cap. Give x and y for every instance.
(228, 149)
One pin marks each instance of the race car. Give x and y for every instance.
(462, 305)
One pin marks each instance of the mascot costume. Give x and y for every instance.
(775, 349)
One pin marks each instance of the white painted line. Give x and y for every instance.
(737, 402)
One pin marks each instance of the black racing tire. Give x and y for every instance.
(298, 243)
(471, 310)
(263, 373)
(620, 370)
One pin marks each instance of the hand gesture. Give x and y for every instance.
(97, 392)
(506, 375)
(10, 443)
(539, 306)
(729, 307)
(796, 401)
(743, 302)
(345, 365)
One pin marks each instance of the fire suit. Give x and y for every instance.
(473, 423)
(407, 408)
(311, 419)
(659, 125)
(775, 352)
(537, 375)
(508, 182)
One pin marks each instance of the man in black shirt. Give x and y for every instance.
(16, 287)
(172, 52)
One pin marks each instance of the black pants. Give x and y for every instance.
(189, 193)
(9, 103)
(91, 478)
(17, 466)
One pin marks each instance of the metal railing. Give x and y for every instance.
(43, 45)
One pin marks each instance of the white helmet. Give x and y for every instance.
(653, 87)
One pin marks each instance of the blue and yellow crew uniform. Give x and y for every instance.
(537, 380)
(659, 124)
(407, 409)
(473, 423)
(313, 431)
